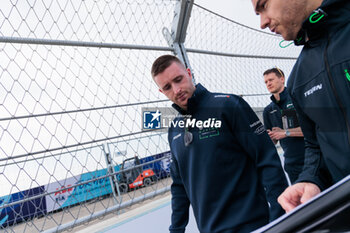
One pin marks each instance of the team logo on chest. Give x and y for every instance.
(208, 133)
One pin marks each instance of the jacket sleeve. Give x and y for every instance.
(179, 200)
(256, 142)
(314, 170)
(266, 118)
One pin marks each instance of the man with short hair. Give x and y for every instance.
(228, 171)
(319, 86)
(281, 122)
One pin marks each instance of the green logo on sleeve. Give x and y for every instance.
(347, 74)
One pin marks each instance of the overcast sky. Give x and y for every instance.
(240, 11)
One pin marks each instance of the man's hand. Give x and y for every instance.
(276, 133)
(297, 194)
(273, 140)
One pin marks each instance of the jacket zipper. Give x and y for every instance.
(331, 80)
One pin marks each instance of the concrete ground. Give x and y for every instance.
(150, 217)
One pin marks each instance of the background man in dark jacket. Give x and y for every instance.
(281, 122)
(229, 171)
(319, 86)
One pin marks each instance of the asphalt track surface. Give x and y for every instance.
(155, 220)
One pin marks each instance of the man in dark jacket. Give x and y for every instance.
(281, 122)
(319, 86)
(223, 162)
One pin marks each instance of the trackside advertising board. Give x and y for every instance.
(70, 195)
(22, 211)
(81, 193)
(161, 168)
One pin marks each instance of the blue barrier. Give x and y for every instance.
(26, 210)
(68, 197)
(161, 168)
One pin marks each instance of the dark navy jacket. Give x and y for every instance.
(222, 173)
(320, 88)
(293, 147)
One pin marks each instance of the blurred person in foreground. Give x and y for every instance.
(229, 172)
(281, 122)
(319, 85)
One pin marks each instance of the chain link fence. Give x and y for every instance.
(74, 77)
(229, 57)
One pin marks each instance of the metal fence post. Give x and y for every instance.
(110, 170)
(176, 38)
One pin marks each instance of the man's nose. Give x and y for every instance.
(177, 89)
(264, 21)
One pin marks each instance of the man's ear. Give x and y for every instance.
(283, 79)
(189, 72)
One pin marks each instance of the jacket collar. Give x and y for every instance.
(283, 97)
(194, 101)
(329, 17)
